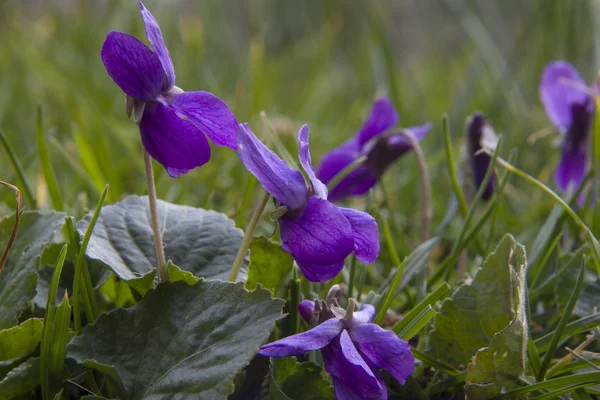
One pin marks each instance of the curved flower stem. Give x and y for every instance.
(346, 171)
(425, 186)
(163, 273)
(239, 258)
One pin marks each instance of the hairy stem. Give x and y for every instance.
(239, 258)
(163, 273)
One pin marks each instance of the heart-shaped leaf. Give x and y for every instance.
(202, 242)
(18, 278)
(180, 341)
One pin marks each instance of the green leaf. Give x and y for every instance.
(479, 310)
(202, 242)
(497, 368)
(21, 380)
(269, 265)
(298, 381)
(18, 278)
(176, 274)
(180, 341)
(21, 340)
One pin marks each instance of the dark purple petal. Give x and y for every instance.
(356, 183)
(344, 363)
(132, 65)
(285, 184)
(177, 172)
(158, 44)
(301, 343)
(306, 308)
(365, 315)
(480, 161)
(343, 392)
(171, 140)
(306, 162)
(320, 235)
(420, 131)
(383, 117)
(366, 234)
(571, 169)
(318, 272)
(384, 349)
(561, 86)
(210, 114)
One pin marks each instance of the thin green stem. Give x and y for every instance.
(427, 212)
(239, 258)
(21, 177)
(163, 272)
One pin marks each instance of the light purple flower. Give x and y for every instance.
(480, 135)
(173, 123)
(318, 234)
(380, 149)
(354, 349)
(569, 104)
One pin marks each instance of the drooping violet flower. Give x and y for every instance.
(172, 123)
(379, 149)
(480, 136)
(569, 104)
(354, 349)
(318, 234)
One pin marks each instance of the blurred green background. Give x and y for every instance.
(320, 62)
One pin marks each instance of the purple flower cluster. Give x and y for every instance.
(354, 349)
(379, 149)
(318, 234)
(481, 136)
(172, 123)
(569, 104)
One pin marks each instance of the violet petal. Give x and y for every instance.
(384, 349)
(571, 168)
(171, 140)
(343, 361)
(210, 114)
(365, 233)
(364, 315)
(306, 308)
(301, 343)
(560, 87)
(383, 116)
(320, 235)
(282, 182)
(158, 44)
(318, 272)
(306, 162)
(132, 65)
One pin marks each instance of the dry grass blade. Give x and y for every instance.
(13, 234)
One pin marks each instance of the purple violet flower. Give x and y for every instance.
(173, 123)
(480, 135)
(318, 234)
(380, 151)
(354, 349)
(569, 104)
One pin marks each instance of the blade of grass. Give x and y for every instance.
(391, 293)
(551, 384)
(439, 293)
(79, 266)
(19, 171)
(581, 325)
(417, 323)
(562, 324)
(52, 328)
(535, 273)
(44, 155)
(439, 365)
(590, 236)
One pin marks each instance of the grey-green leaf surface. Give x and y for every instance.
(298, 381)
(497, 368)
(18, 278)
(21, 340)
(202, 242)
(181, 341)
(21, 380)
(479, 310)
